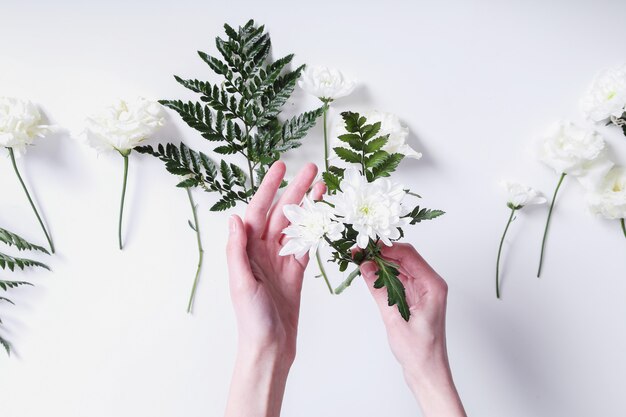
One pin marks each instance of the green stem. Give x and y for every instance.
(30, 200)
(119, 226)
(323, 271)
(196, 228)
(545, 232)
(623, 226)
(346, 283)
(324, 114)
(506, 229)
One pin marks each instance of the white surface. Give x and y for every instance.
(106, 334)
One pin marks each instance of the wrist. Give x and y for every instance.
(432, 385)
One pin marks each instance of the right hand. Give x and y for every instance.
(419, 345)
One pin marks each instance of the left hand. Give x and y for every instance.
(265, 287)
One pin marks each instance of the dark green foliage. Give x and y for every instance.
(11, 262)
(418, 214)
(364, 148)
(239, 115)
(12, 239)
(388, 277)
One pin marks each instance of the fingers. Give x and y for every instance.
(408, 259)
(293, 195)
(256, 212)
(239, 272)
(319, 189)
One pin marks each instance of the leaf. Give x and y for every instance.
(387, 166)
(388, 277)
(6, 344)
(347, 155)
(332, 181)
(6, 285)
(10, 262)
(418, 214)
(20, 243)
(376, 144)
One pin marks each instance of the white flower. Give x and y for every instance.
(123, 125)
(610, 199)
(20, 124)
(521, 195)
(373, 209)
(572, 150)
(389, 125)
(606, 96)
(310, 222)
(327, 84)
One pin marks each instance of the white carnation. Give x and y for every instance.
(519, 195)
(373, 209)
(310, 222)
(610, 199)
(327, 84)
(123, 125)
(606, 96)
(389, 125)
(20, 124)
(572, 150)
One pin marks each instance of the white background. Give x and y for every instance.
(106, 334)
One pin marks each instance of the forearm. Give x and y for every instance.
(433, 387)
(258, 383)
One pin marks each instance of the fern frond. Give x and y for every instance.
(20, 243)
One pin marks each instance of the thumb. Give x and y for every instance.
(239, 270)
(368, 270)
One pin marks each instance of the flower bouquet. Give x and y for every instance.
(363, 209)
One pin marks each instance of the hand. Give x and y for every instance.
(265, 289)
(419, 345)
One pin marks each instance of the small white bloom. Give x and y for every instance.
(327, 84)
(373, 209)
(20, 124)
(310, 222)
(123, 125)
(606, 96)
(610, 199)
(519, 195)
(389, 125)
(570, 149)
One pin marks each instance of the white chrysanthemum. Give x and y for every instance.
(20, 124)
(519, 195)
(610, 199)
(606, 96)
(327, 84)
(570, 149)
(310, 222)
(123, 125)
(373, 209)
(389, 125)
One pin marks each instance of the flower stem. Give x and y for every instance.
(119, 226)
(545, 232)
(346, 283)
(196, 228)
(323, 271)
(30, 200)
(324, 114)
(623, 226)
(506, 229)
